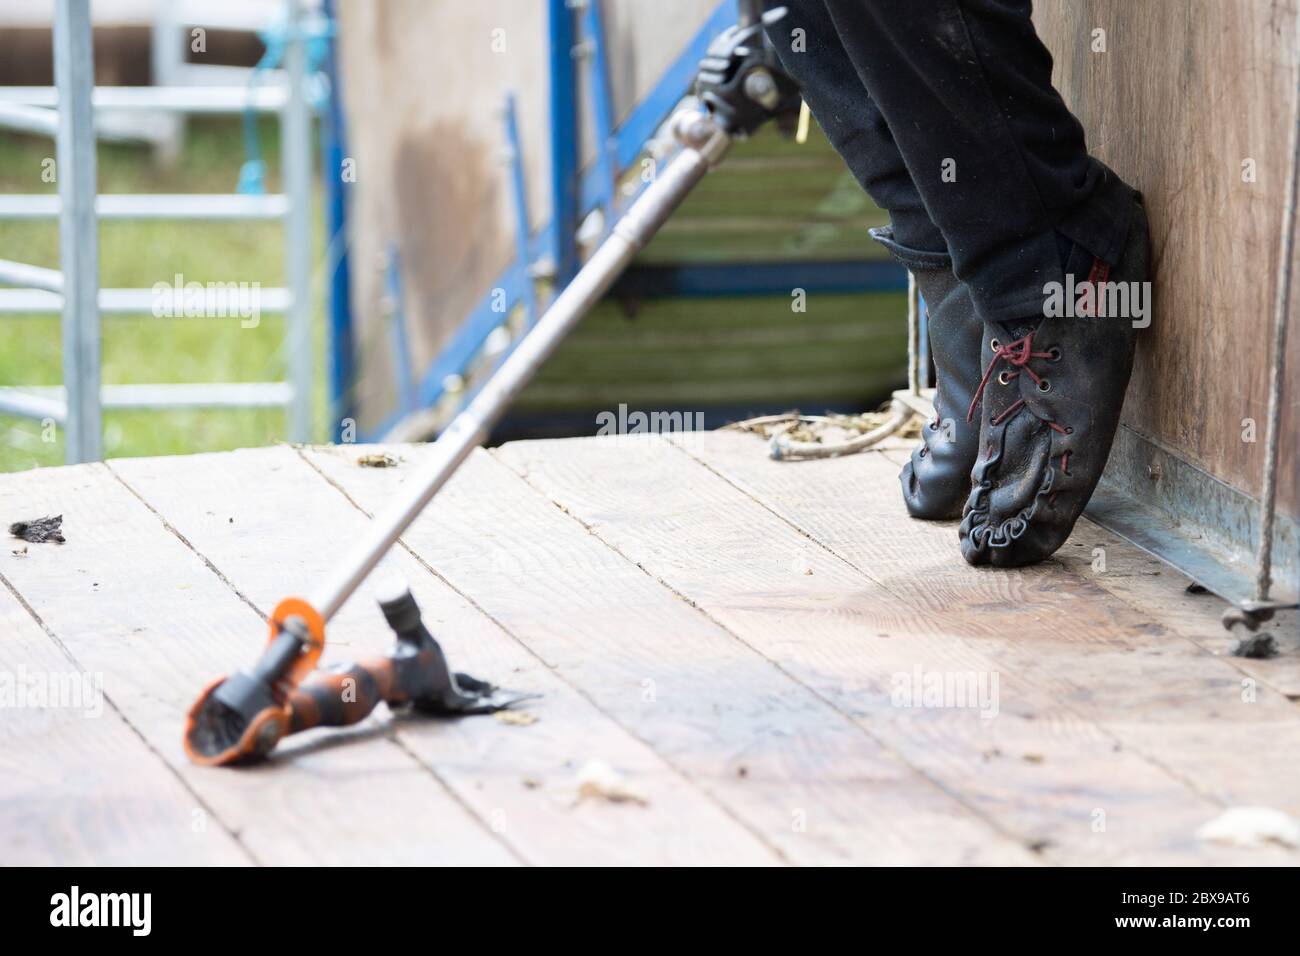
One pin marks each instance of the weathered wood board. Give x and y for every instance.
(724, 714)
(851, 623)
(1192, 102)
(517, 782)
(130, 599)
(730, 633)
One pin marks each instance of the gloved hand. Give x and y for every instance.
(740, 80)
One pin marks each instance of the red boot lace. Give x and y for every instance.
(1016, 354)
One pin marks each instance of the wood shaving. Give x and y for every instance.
(1251, 827)
(377, 460)
(598, 780)
(515, 718)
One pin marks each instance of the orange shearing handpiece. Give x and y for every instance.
(242, 717)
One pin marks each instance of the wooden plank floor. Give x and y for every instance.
(734, 636)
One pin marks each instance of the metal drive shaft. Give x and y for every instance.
(705, 143)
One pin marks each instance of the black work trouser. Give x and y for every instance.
(944, 111)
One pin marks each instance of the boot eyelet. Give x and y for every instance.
(993, 345)
(1069, 430)
(1054, 354)
(1004, 378)
(1044, 386)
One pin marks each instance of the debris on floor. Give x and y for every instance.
(377, 460)
(515, 718)
(1252, 827)
(599, 780)
(795, 437)
(39, 530)
(826, 429)
(1259, 645)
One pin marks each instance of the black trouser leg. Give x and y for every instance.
(812, 53)
(998, 161)
(936, 481)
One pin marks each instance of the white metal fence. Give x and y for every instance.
(67, 112)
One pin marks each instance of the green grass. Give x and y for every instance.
(146, 349)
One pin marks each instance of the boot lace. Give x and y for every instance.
(1017, 354)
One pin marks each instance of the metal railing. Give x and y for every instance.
(67, 111)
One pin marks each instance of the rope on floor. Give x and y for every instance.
(795, 437)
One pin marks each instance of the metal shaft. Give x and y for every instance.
(296, 162)
(1281, 318)
(74, 72)
(707, 144)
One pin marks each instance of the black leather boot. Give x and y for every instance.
(1051, 395)
(936, 481)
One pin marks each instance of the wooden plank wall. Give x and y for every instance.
(1185, 93)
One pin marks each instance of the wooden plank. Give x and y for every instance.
(127, 598)
(78, 786)
(788, 764)
(1155, 588)
(1160, 592)
(1041, 768)
(519, 781)
(1157, 691)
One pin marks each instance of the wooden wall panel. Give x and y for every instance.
(423, 91)
(1185, 92)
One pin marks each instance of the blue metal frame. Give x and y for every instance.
(556, 239)
(515, 285)
(602, 109)
(575, 193)
(564, 139)
(519, 192)
(342, 368)
(631, 135)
